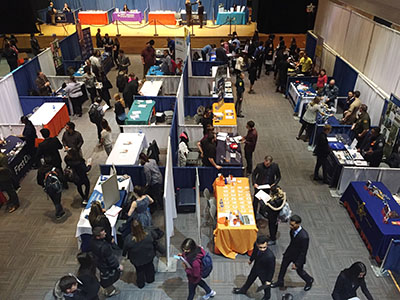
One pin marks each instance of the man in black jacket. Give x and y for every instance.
(263, 268)
(372, 148)
(49, 148)
(130, 90)
(105, 261)
(322, 151)
(295, 253)
(266, 172)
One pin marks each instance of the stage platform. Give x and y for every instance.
(135, 35)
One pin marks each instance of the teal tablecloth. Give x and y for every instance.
(238, 18)
(145, 112)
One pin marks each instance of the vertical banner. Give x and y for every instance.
(56, 51)
(198, 208)
(180, 50)
(318, 54)
(169, 201)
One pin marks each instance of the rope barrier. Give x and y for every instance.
(215, 27)
(176, 26)
(139, 27)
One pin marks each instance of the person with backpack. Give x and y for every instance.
(263, 268)
(96, 114)
(199, 266)
(51, 178)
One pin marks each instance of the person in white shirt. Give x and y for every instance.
(183, 149)
(74, 92)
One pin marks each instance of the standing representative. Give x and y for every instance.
(322, 151)
(250, 141)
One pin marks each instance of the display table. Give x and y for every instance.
(20, 161)
(195, 17)
(126, 149)
(51, 115)
(238, 18)
(300, 93)
(155, 70)
(162, 17)
(127, 16)
(225, 155)
(232, 239)
(224, 114)
(337, 128)
(140, 112)
(83, 228)
(93, 17)
(151, 88)
(365, 211)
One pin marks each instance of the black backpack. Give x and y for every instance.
(52, 183)
(94, 114)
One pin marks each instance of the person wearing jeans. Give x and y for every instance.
(6, 184)
(250, 141)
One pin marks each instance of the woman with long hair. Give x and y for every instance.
(349, 280)
(97, 218)
(139, 246)
(119, 109)
(139, 207)
(310, 118)
(106, 140)
(87, 275)
(74, 160)
(193, 254)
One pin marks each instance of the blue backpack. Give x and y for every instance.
(206, 265)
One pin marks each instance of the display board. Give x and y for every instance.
(391, 125)
(56, 51)
(86, 43)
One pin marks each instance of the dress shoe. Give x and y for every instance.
(317, 178)
(309, 285)
(13, 208)
(276, 284)
(240, 116)
(238, 291)
(271, 243)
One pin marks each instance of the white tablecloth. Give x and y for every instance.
(46, 113)
(127, 149)
(151, 88)
(83, 226)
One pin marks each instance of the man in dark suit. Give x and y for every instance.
(322, 151)
(295, 253)
(263, 268)
(266, 172)
(131, 89)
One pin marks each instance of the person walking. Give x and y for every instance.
(322, 151)
(7, 185)
(87, 276)
(140, 250)
(50, 178)
(250, 142)
(96, 114)
(295, 253)
(107, 263)
(239, 94)
(263, 268)
(193, 255)
(106, 139)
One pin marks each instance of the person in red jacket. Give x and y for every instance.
(193, 254)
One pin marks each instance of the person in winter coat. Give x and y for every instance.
(97, 218)
(87, 276)
(193, 254)
(119, 110)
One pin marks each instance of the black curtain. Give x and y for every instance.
(19, 16)
(285, 16)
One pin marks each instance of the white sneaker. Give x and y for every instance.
(211, 294)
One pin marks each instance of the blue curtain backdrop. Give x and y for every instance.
(136, 172)
(392, 262)
(203, 68)
(70, 48)
(28, 103)
(191, 103)
(25, 76)
(311, 43)
(345, 76)
(163, 103)
(185, 74)
(174, 5)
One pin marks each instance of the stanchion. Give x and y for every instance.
(192, 30)
(155, 27)
(118, 34)
(230, 26)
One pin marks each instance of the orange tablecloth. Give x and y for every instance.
(162, 18)
(90, 18)
(230, 240)
(228, 110)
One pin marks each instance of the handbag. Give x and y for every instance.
(285, 213)
(122, 117)
(70, 175)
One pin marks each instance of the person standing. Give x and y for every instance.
(108, 44)
(310, 118)
(200, 13)
(104, 92)
(34, 45)
(7, 185)
(283, 67)
(206, 50)
(239, 94)
(148, 58)
(305, 64)
(87, 275)
(97, 218)
(90, 82)
(188, 8)
(106, 140)
(250, 141)
(252, 74)
(71, 138)
(350, 114)
(116, 50)
(266, 172)
(259, 55)
(209, 148)
(131, 89)
(96, 114)
(183, 149)
(361, 126)
(119, 110)
(43, 84)
(52, 13)
(139, 248)
(193, 255)
(154, 179)
(74, 92)
(106, 262)
(29, 136)
(263, 268)
(11, 56)
(138, 209)
(121, 81)
(295, 253)
(50, 178)
(123, 61)
(99, 40)
(271, 210)
(348, 282)
(322, 151)
(321, 80)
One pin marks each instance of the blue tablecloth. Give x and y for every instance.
(238, 18)
(309, 92)
(155, 70)
(336, 127)
(366, 211)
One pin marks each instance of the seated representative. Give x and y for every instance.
(330, 91)
(372, 147)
